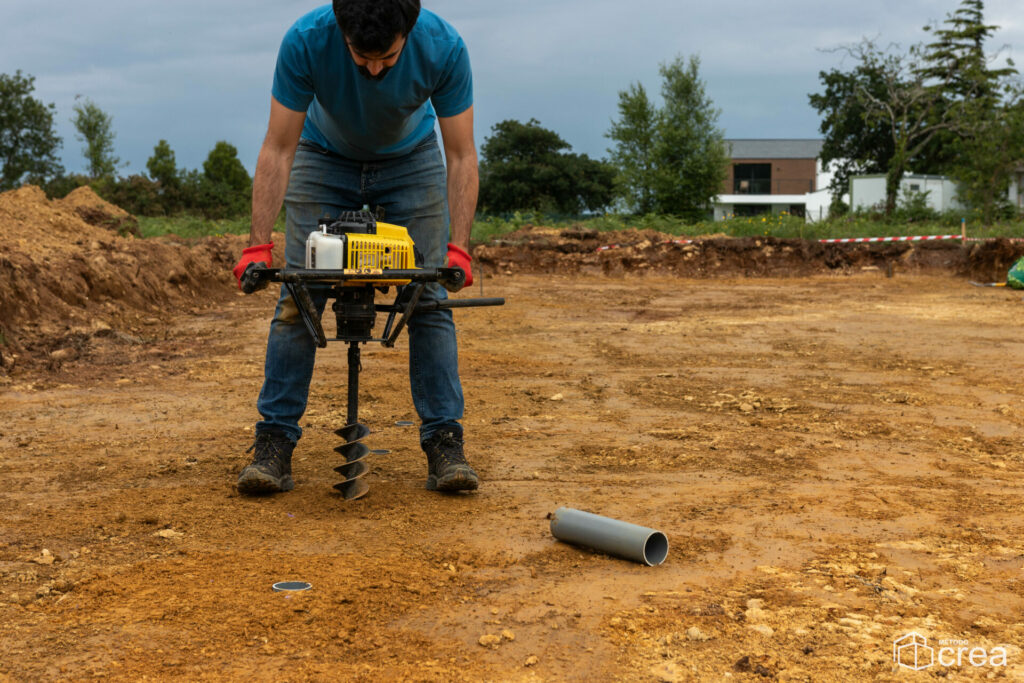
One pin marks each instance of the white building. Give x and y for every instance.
(1016, 195)
(868, 191)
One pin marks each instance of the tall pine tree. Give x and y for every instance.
(956, 60)
(982, 151)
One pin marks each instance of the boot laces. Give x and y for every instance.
(267, 447)
(448, 449)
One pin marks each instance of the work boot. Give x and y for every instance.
(447, 469)
(271, 468)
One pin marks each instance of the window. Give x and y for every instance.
(746, 210)
(752, 178)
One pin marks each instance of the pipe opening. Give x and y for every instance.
(655, 549)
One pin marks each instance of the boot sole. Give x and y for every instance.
(253, 482)
(459, 480)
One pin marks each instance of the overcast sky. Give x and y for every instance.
(197, 71)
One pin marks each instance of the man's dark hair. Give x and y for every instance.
(371, 26)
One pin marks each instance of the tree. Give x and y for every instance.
(96, 129)
(911, 110)
(590, 183)
(956, 59)
(690, 154)
(28, 139)
(163, 169)
(222, 189)
(992, 152)
(162, 166)
(671, 159)
(851, 145)
(983, 150)
(223, 167)
(914, 112)
(940, 105)
(635, 134)
(526, 166)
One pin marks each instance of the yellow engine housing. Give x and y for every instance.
(390, 248)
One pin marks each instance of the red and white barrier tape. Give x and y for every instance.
(856, 240)
(906, 238)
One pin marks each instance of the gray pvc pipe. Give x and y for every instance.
(611, 536)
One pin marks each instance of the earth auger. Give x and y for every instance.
(354, 257)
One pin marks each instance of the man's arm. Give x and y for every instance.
(463, 176)
(273, 169)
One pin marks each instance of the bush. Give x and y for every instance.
(141, 196)
(136, 194)
(213, 198)
(913, 207)
(63, 185)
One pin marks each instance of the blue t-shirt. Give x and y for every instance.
(367, 120)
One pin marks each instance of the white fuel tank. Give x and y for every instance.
(325, 252)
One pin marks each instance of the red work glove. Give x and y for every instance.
(460, 258)
(259, 253)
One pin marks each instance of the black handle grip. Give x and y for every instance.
(452, 279)
(446, 304)
(254, 278)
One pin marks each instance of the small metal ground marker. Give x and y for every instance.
(291, 586)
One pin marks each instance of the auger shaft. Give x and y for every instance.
(354, 467)
(353, 382)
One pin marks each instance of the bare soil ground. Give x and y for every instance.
(836, 462)
(834, 448)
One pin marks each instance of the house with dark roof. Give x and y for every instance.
(774, 176)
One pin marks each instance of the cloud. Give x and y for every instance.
(195, 72)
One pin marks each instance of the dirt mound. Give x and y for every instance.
(574, 250)
(94, 210)
(65, 281)
(32, 224)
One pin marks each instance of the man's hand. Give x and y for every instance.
(460, 258)
(259, 253)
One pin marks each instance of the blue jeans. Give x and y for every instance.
(412, 192)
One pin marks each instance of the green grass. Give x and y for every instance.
(197, 226)
(783, 226)
(486, 228)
